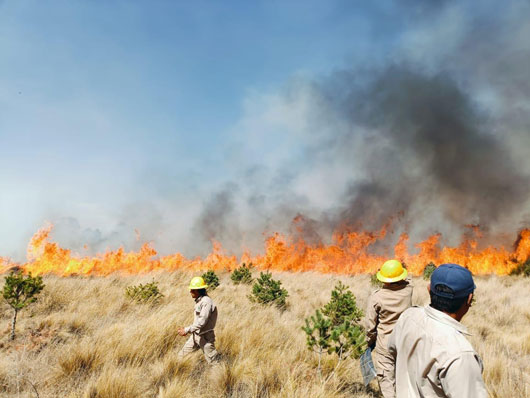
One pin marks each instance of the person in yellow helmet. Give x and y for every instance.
(201, 331)
(385, 306)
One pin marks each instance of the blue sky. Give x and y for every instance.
(117, 115)
(104, 100)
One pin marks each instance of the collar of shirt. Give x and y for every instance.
(198, 299)
(445, 319)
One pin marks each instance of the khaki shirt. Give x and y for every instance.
(432, 358)
(385, 305)
(205, 316)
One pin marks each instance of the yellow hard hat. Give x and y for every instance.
(197, 283)
(392, 271)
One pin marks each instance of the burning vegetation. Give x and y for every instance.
(347, 253)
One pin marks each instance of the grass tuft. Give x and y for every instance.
(86, 339)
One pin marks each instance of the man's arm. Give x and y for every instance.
(200, 321)
(462, 377)
(370, 321)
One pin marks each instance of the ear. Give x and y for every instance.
(429, 288)
(469, 299)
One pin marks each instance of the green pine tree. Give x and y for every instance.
(148, 293)
(318, 333)
(348, 340)
(428, 270)
(242, 274)
(522, 269)
(19, 292)
(335, 328)
(342, 307)
(374, 281)
(211, 279)
(268, 291)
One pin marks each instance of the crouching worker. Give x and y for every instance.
(201, 331)
(385, 306)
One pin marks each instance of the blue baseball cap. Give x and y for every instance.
(452, 281)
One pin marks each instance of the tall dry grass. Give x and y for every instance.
(83, 338)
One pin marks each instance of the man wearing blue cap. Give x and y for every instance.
(431, 356)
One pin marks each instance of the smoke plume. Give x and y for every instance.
(434, 137)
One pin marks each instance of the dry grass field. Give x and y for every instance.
(84, 338)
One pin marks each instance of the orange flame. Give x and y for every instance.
(348, 253)
(4, 264)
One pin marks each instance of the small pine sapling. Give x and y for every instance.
(342, 307)
(317, 329)
(374, 281)
(148, 293)
(242, 274)
(428, 270)
(348, 340)
(335, 328)
(522, 269)
(211, 279)
(19, 292)
(268, 291)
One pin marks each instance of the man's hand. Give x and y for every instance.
(182, 332)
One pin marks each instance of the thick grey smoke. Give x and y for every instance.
(436, 138)
(218, 219)
(440, 147)
(433, 134)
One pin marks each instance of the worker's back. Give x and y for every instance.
(384, 309)
(433, 358)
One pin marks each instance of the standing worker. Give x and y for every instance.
(431, 356)
(385, 305)
(204, 320)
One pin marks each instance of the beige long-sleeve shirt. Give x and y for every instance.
(205, 316)
(432, 357)
(384, 308)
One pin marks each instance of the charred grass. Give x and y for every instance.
(84, 339)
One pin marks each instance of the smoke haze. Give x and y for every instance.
(437, 137)
(428, 127)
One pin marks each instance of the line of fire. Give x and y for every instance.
(347, 253)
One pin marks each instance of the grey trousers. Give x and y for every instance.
(205, 342)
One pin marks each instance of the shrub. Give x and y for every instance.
(317, 328)
(348, 339)
(335, 328)
(19, 292)
(268, 291)
(428, 270)
(211, 279)
(148, 293)
(242, 274)
(342, 307)
(522, 269)
(374, 281)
